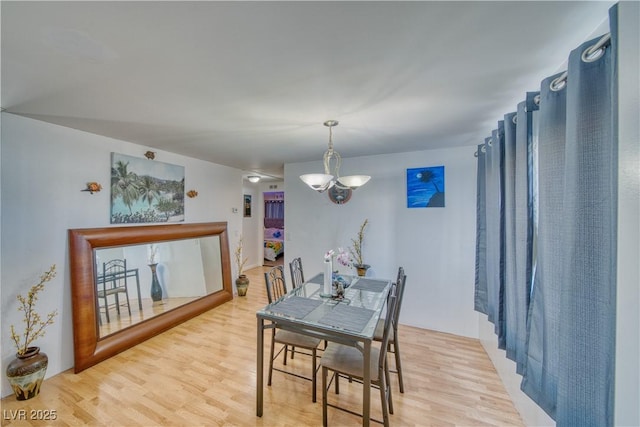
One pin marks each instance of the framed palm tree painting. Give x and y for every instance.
(425, 187)
(144, 190)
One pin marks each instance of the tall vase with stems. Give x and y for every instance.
(26, 372)
(356, 250)
(242, 282)
(156, 289)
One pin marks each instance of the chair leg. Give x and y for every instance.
(286, 349)
(383, 399)
(117, 303)
(293, 351)
(387, 379)
(324, 395)
(396, 352)
(126, 292)
(106, 309)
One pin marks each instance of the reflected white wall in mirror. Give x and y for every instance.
(186, 270)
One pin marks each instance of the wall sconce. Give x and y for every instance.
(192, 193)
(150, 155)
(93, 187)
(253, 178)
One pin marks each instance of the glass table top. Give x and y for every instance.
(356, 313)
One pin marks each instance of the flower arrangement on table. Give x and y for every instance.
(339, 284)
(342, 257)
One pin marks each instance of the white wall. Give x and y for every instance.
(436, 246)
(627, 391)
(251, 227)
(44, 167)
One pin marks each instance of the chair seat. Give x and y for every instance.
(348, 360)
(295, 339)
(377, 335)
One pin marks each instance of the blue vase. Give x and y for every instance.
(156, 289)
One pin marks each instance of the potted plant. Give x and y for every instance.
(242, 282)
(356, 250)
(26, 372)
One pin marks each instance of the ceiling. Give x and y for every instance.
(249, 84)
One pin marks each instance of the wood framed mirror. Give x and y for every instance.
(140, 313)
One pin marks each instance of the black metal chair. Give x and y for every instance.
(113, 282)
(347, 361)
(276, 288)
(297, 274)
(394, 346)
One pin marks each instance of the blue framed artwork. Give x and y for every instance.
(425, 187)
(144, 190)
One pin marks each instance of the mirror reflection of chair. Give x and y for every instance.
(346, 360)
(113, 282)
(393, 339)
(276, 288)
(297, 274)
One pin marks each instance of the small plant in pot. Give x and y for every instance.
(26, 372)
(356, 250)
(242, 282)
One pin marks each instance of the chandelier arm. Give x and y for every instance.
(327, 162)
(338, 164)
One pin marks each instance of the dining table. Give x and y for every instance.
(350, 319)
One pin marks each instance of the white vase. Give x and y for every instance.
(328, 273)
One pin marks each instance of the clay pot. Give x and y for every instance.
(362, 269)
(242, 283)
(26, 372)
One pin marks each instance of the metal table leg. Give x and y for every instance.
(259, 367)
(366, 380)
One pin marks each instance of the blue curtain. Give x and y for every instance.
(494, 234)
(516, 218)
(274, 209)
(524, 229)
(541, 366)
(480, 299)
(546, 257)
(588, 292)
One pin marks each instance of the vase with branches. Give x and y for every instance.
(242, 282)
(356, 250)
(26, 372)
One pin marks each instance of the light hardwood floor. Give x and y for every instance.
(202, 373)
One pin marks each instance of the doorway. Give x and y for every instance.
(273, 228)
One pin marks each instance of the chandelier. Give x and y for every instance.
(321, 182)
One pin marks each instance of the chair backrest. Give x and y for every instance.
(297, 275)
(114, 274)
(388, 322)
(400, 274)
(399, 283)
(399, 294)
(276, 285)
